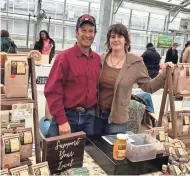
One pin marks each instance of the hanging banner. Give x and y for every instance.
(164, 40)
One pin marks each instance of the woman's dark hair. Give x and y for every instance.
(41, 41)
(4, 33)
(119, 29)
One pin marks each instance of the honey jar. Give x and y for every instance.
(119, 148)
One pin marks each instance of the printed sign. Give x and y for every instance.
(41, 79)
(22, 111)
(165, 41)
(64, 152)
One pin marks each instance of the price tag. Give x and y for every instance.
(22, 111)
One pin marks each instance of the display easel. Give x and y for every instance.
(168, 90)
(6, 104)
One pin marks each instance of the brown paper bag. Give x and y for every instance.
(181, 79)
(22, 170)
(16, 76)
(26, 141)
(10, 151)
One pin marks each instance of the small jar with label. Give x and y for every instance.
(119, 148)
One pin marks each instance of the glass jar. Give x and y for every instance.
(119, 148)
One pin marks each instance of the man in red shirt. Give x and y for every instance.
(71, 88)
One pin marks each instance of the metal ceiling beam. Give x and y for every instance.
(159, 4)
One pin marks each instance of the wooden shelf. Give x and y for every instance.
(6, 103)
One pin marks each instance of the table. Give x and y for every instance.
(101, 152)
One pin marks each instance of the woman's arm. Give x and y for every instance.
(146, 83)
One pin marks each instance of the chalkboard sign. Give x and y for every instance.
(64, 152)
(41, 79)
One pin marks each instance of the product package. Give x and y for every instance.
(20, 171)
(5, 117)
(174, 170)
(16, 76)
(10, 151)
(26, 141)
(41, 169)
(181, 79)
(4, 172)
(16, 126)
(6, 132)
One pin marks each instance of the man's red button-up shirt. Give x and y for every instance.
(72, 82)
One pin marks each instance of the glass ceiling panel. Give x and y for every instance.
(175, 2)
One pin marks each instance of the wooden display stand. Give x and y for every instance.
(168, 90)
(6, 104)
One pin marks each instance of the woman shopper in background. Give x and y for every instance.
(7, 45)
(120, 70)
(45, 45)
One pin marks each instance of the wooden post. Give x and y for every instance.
(168, 89)
(35, 113)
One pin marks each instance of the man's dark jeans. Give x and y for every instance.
(79, 121)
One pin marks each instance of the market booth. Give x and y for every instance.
(144, 151)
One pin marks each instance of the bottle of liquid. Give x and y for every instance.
(165, 170)
(119, 148)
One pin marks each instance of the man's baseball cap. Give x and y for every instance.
(86, 19)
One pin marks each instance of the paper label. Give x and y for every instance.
(15, 145)
(186, 120)
(18, 67)
(22, 111)
(42, 171)
(28, 137)
(24, 172)
(177, 170)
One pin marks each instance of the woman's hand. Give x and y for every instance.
(167, 64)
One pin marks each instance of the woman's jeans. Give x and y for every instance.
(103, 127)
(79, 121)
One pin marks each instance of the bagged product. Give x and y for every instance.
(10, 151)
(4, 172)
(16, 126)
(16, 76)
(41, 169)
(181, 79)
(26, 141)
(22, 170)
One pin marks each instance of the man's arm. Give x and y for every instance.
(54, 91)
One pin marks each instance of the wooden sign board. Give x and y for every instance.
(64, 152)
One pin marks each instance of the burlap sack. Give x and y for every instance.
(47, 113)
(16, 76)
(181, 79)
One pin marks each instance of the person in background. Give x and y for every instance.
(186, 54)
(172, 54)
(71, 88)
(121, 69)
(151, 60)
(7, 45)
(45, 45)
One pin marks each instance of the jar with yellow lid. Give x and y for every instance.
(120, 146)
